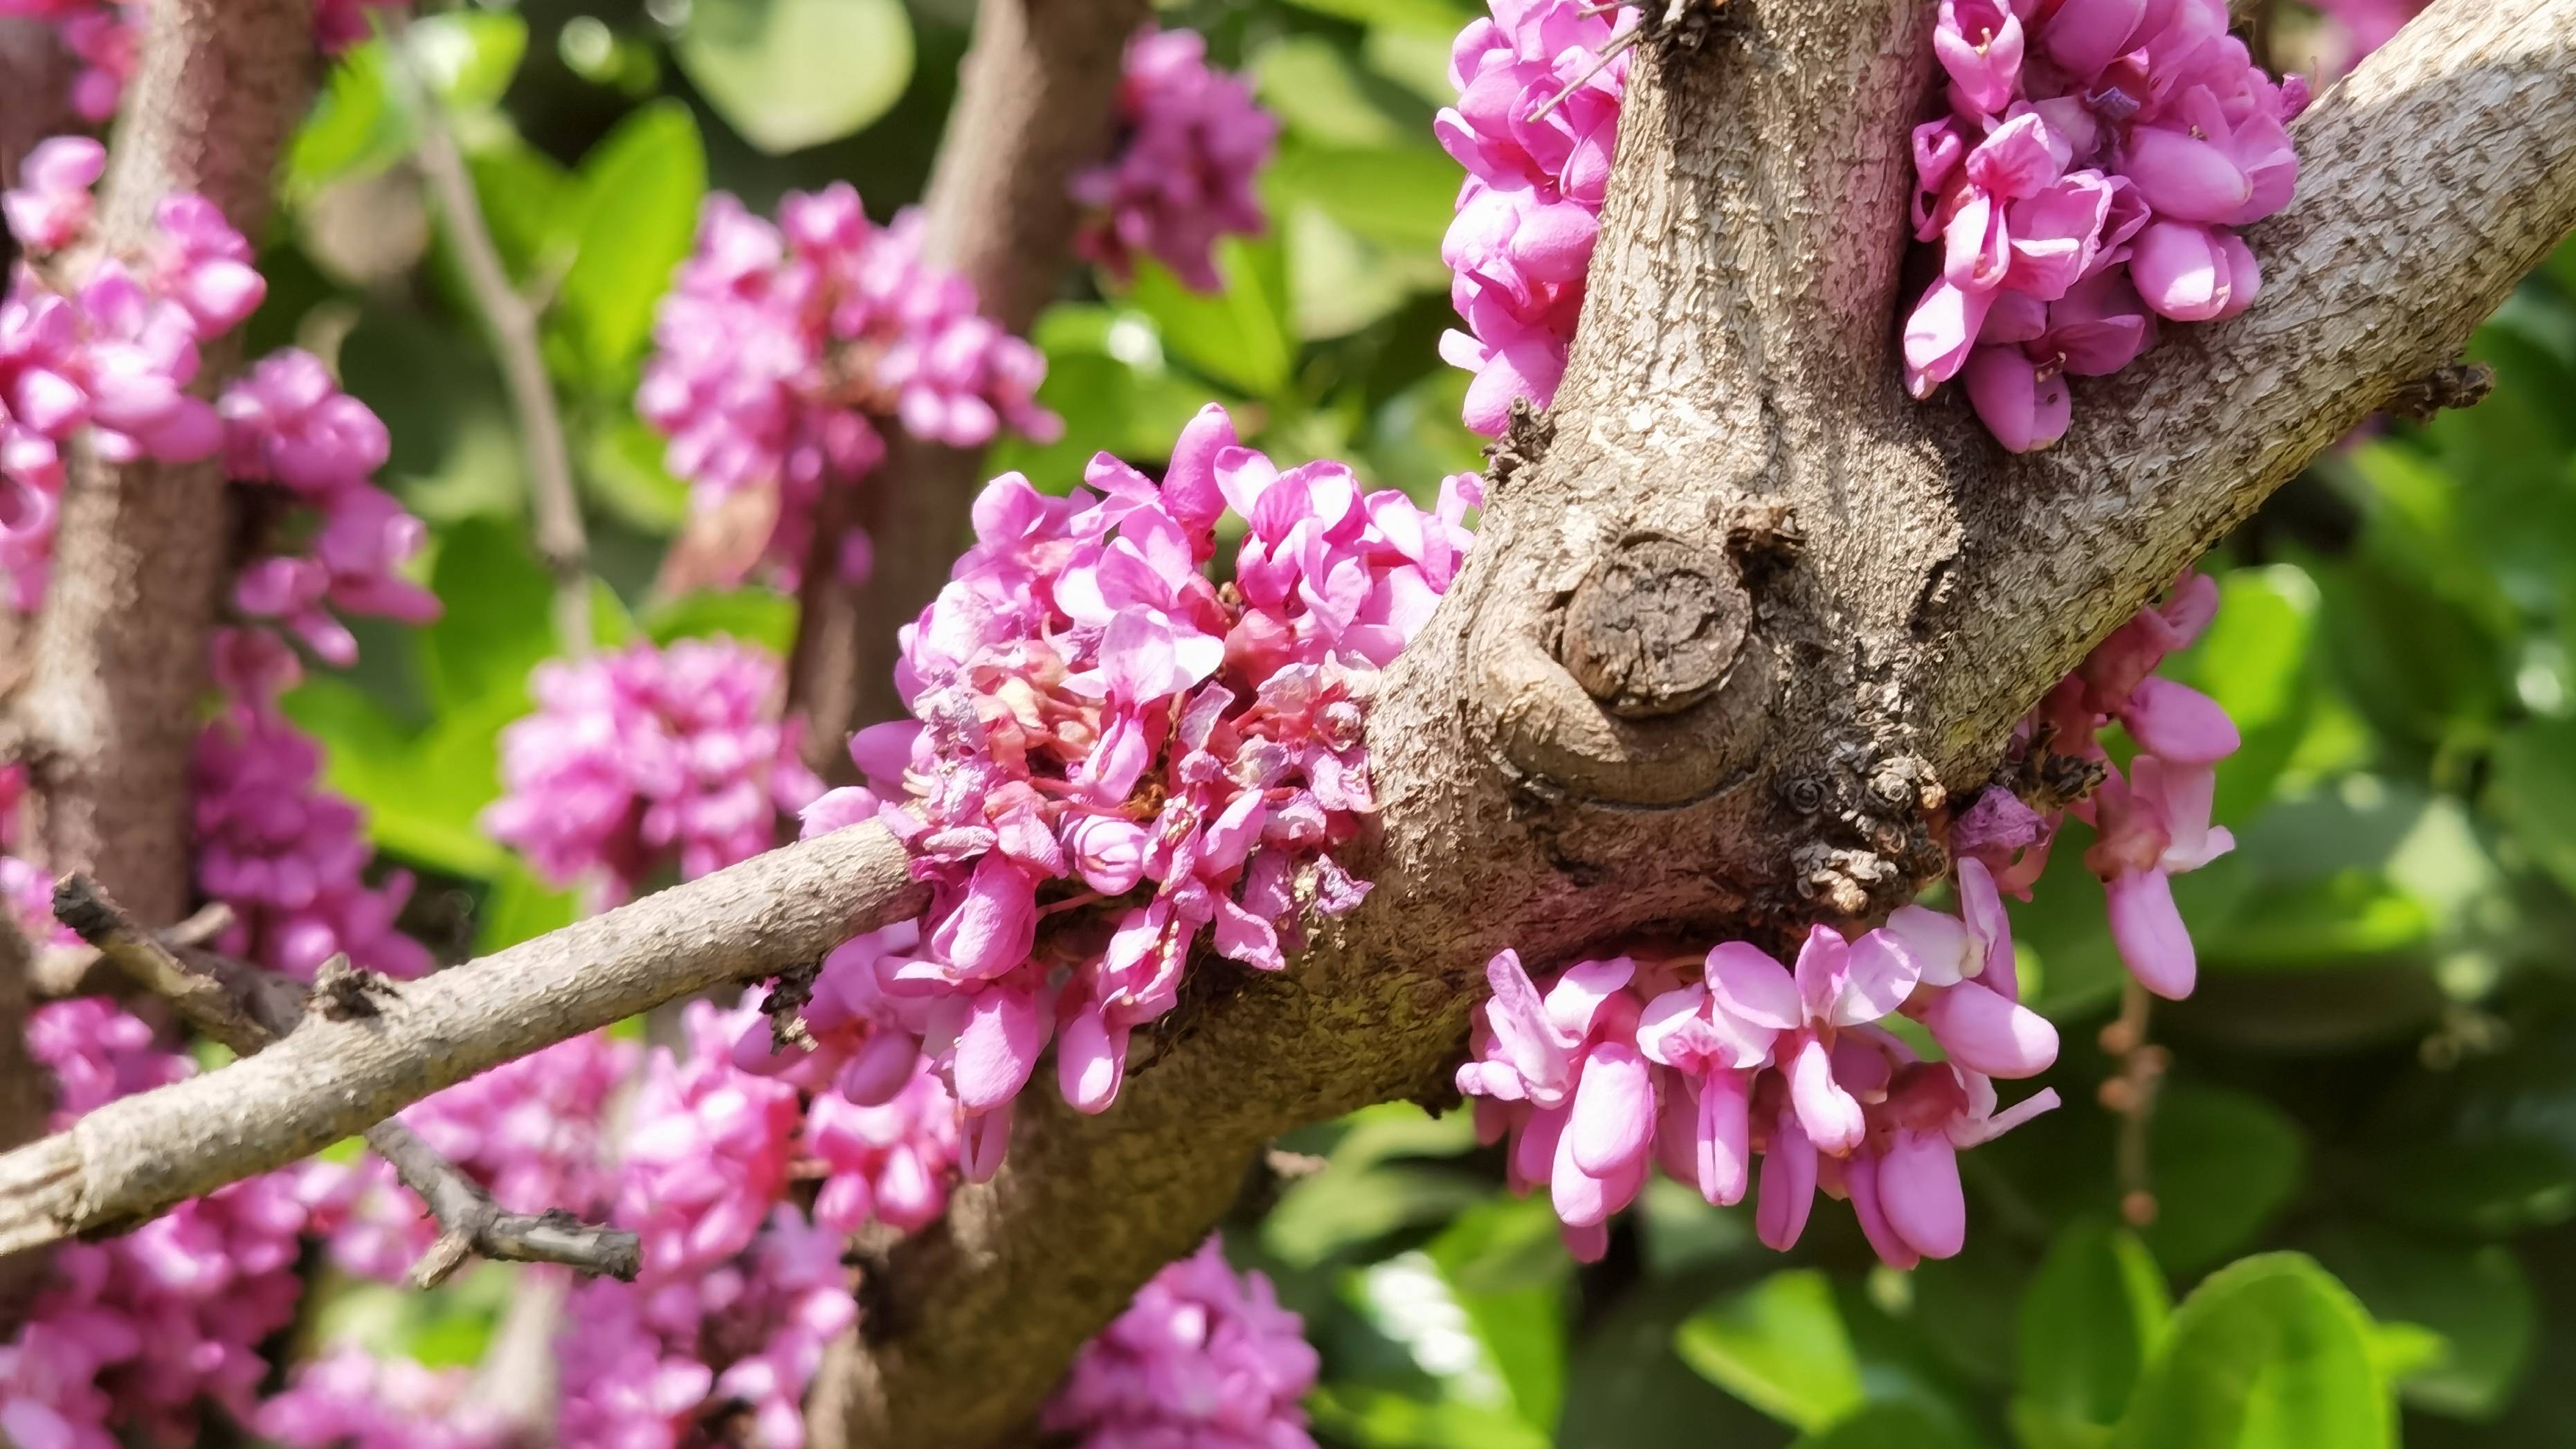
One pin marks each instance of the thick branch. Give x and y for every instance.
(1034, 102)
(249, 1010)
(347, 1068)
(120, 650)
(560, 536)
(1732, 439)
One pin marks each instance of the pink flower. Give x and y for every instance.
(1625, 1064)
(1192, 145)
(2090, 145)
(1202, 1357)
(51, 204)
(1112, 759)
(784, 351)
(648, 760)
(1527, 218)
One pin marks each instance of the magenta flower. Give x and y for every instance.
(2090, 145)
(649, 760)
(1192, 145)
(1201, 1358)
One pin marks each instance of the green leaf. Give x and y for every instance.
(529, 201)
(641, 186)
(2087, 1323)
(1501, 1261)
(2225, 1161)
(2533, 790)
(622, 464)
(420, 802)
(1441, 17)
(1312, 86)
(2254, 660)
(1890, 1426)
(1396, 196)
(1337, 1210)
(764, 617)
(1780, 1346)
(1382, 1419)
(359, 125)
(2324, 922)
(2269, 1353)
(468, 57)
(2466, 1311)
(496, 625)
(1239, 337)
(788, 74)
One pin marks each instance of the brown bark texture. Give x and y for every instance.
(106, 716)
(1034, 103)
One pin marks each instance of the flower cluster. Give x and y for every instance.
(350, 1400)
(1638, 1061)
(1202, 1358)
(2098, 157)
(1107, 739)
(287, 855)
(1531, 206)
(533, 1131)
(112, 356)
(649, 759)
(287, 423)
(135, 1333)
(2151, 823)
(783, 349)
(1190, 150)
(1626, 1064)
(739, 1291)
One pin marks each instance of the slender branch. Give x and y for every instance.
(1034, 104)
(251, 1010)
(513, 320)
(2130, 1094)
(363, 1056)
(63, 972)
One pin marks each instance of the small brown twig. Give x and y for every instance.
(2130, 1094)
(63, 972)
(248, 1010)
(513, 320)
(1611, 50)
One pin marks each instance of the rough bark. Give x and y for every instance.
(378, 1049)
(1744, 617)
(1034, 103)
(108, 713)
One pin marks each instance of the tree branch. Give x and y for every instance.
(560, 536)
(1729, 439)
(361, 1056)
(63, 972)
(1034, 104)
(250, 1010)
(109, 713)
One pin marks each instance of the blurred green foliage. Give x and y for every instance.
(2365, 1151)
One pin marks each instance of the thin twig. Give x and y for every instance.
(248, 1010)
(63, 972)
(2130, 1094)
(1611, 50)
(513, 320)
